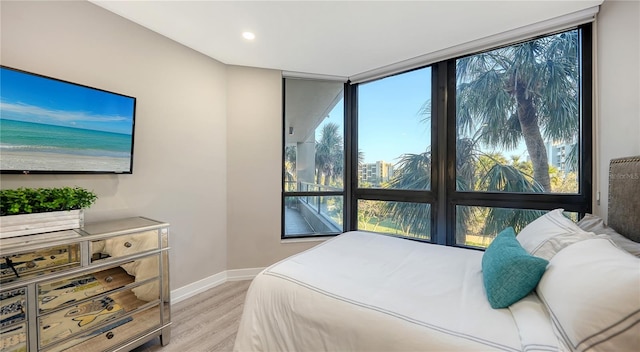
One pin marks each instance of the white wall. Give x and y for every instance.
(618, 90)
(179, 173)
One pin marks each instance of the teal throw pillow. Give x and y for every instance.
(509, 272)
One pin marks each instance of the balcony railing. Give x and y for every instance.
(299, 186)
(314, 209)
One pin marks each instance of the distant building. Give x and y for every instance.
(557, 153)
(375, 173)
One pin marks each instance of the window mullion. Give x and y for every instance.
(351, 152)
(439, 145)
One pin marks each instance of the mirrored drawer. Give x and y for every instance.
(67, 290)
(47, 260)
(113, 334)
(14, 338)
(13, 306)
(88, 315)
(124, 245)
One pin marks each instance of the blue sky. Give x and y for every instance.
(32, 98)
(390, 122)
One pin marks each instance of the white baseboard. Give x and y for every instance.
(243, 274)
(212, 281)
(199, 286)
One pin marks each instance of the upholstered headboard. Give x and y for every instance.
(624, 196)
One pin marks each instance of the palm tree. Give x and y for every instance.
(522, 92)
(508, 178)
(519, 93)
(290, 167)
(413, 172)
(480, 171)
(329, 154)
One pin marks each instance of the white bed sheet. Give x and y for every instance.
(368, 292)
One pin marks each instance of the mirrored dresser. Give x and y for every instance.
(102, 287)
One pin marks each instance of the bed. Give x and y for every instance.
(578, 289)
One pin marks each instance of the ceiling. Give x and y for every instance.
(339, 38)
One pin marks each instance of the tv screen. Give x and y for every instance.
(50, 126)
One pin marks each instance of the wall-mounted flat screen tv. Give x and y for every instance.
(51, 126)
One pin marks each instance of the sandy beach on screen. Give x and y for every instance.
(35, 161)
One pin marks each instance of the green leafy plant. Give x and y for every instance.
(41, 200)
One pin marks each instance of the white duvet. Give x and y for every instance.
(368, 292)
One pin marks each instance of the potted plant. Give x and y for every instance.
(25, 211)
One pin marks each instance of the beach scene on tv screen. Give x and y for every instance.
(51, 125)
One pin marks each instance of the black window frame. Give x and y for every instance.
(443, 196)
(285, 194)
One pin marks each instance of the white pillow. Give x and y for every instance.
(535, 236)
(592, 292)
(553, 245)
(594, 223)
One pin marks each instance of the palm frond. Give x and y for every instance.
(507, 178)
(413, 218)
(500, 218)
(413, 171)
(573, 158)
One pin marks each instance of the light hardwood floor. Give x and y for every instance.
(207, 322)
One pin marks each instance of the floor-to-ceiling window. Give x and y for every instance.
(313, 167)
(456, 151)
(394, 191)
(520, 123)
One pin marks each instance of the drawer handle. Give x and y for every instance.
(109, 307)
(31, 264)
(109, 335)
(108, 279)
(127, 244)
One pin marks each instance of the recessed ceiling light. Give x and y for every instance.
(248, 36)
